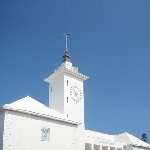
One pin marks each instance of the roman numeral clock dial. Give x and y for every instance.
(76, 94)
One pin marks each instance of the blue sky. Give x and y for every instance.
(110, 43)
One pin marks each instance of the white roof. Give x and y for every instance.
(32, 106)
(124, 138)
(106, 138)
(131, 140)
(100, 135)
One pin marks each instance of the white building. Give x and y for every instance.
(26, 124)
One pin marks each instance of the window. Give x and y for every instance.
(67, 100)
(112, 148)
(51, 89)
(88, 146)
(96, 147)
(104, 147)
(67, 82)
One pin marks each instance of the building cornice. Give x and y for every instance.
(41, 115)
(67, 67)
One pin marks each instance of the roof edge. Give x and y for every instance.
(41, 115)
(66, 70)
(137, 145)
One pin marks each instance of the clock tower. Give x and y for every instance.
(66, 90)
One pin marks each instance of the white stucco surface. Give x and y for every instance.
(24, 132)
(1, 129)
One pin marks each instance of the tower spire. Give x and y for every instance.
(66, 56)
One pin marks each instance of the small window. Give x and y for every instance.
(67, 100)
(112, 148)
(67, 82)
(88, 146)
(104, 147)
(51, 89)
(96, 147)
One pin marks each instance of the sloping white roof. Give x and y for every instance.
(124, 138)
(100, 135)
(131, 140)
(32, 106)
(102, 138)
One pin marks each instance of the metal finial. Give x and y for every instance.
(66, 35)
(66, 57)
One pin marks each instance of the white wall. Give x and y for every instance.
(74, 110)
(56, 94)
(24, 132)
(1, 129)
(59, 93)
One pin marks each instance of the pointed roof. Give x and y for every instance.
(131, 140)
(31, 106)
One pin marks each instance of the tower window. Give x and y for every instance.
(67, 99)
(67, 82)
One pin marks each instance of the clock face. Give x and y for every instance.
(76, 94)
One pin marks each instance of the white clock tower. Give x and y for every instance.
(66, 90)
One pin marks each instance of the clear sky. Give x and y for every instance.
(110, 43)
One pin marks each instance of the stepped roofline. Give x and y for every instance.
(67, 67)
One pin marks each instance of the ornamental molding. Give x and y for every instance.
(68, 69)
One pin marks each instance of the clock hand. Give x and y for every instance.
(75, 92)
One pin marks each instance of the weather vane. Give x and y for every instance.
(66, 35)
